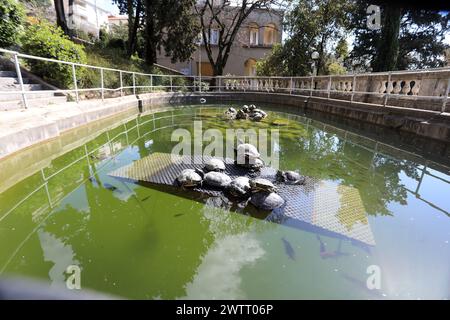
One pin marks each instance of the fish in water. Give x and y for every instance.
(111, 187)
(324, 254)
(288, 249)
(178, 215)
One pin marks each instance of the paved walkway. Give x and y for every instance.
(21, 128)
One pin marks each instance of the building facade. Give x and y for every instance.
(87, 16)
(257, 35)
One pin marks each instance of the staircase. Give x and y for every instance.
(39, 98)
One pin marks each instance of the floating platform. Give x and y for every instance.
(316, 206)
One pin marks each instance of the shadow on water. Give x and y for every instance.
(246, 208)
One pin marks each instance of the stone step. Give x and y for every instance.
(30, 95)
(32, 103)
(12, 80)
(16, 87)
(8, 74)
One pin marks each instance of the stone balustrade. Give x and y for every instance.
(422, 89)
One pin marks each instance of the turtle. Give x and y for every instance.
(261, 184)
(214, 164)
(241, 114)
(216, 179)
(256, 117)
(189, 178)
(239, 187)
(248, 150)
(232, 110)
(290, 177)
(251, 163)
(231, 113)
(266, 200)
(260, 111)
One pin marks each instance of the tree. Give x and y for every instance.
(409, 38)
(170, 25)
(341, 51)
(61, 15)
(228, 18)
(311, 25)
(273, 64)
(11, 20)
(387, 50)
(135, 11)
(156, 25)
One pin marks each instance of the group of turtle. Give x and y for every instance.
(246, 112)
(262, 192)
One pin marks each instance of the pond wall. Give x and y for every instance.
(21, 129)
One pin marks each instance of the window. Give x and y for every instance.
(254, 34)
(214, 36)
(270, 34)
(253, 37)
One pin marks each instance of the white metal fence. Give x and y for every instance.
(426, 89)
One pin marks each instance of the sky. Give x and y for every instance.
(108, 5)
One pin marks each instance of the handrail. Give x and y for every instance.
(381, 88)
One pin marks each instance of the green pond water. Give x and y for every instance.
(379, 208)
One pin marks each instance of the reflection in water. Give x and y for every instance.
(234, 247)
(218, 275)
(141, 242)
(59, 253)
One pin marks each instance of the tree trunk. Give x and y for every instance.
(61, 16)
(130, 18)
(132, 36)
(150, 41)
(387, 50)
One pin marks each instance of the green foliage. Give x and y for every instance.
(335, 68)
(46, 40)
(311, 25)
(172, 26)
(161, 24)
(273, 64)
(116, 38)
(116, 58)
(341, 51)
(12, 16)
(421, 36)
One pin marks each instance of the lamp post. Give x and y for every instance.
(315, 57)
(200, 64)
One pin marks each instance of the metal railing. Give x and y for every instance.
(396, 88)
(155, 81)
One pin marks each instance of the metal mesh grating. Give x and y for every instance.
(322, 204)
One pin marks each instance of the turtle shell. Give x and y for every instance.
(189, 178)
(261, 184)
(266, 200)
(239, 187)
(214, 164)
(216, 179)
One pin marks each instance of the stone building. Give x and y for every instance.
(256, 37)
